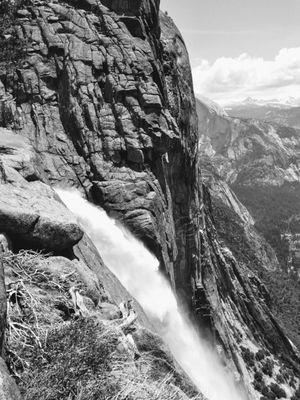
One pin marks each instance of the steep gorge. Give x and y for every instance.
(256, 163)
(103, 101)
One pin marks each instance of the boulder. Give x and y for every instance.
(31, 213)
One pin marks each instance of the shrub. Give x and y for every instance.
(277, 390)
(268, 367)
(81, 358)
(248, 356)
(292, 382)
(12, 46)
(265, 391)
(296, 395)
(268, 395)
(66, 358)
(257, 386)
(280, 378)
(36, 298)
(261, 387)
(258, 376)
(260, 355)
(76, 355)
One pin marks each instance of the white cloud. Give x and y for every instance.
(233, 79)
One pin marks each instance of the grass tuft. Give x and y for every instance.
(57, 355)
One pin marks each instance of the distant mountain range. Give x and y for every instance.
(288, 102)
(284, 112)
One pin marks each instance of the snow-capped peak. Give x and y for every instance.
(283, 102)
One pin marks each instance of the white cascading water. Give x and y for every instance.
(138, 270)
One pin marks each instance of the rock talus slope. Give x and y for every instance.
(104, 102)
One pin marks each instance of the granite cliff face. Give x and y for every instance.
(103, 102)
(93, 101)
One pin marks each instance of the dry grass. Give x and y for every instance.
(83, 362)
(30, 311)
(136, 381)
(57, 358)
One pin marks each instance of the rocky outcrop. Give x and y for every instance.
(30, 212)
(40, 221)
(105, 100)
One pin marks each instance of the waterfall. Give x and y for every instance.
(138, 270)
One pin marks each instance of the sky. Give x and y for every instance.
(241, 48)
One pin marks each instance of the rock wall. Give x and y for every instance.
(111, 113)
(105, 103)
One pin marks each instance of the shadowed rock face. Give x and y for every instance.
(105, 99)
